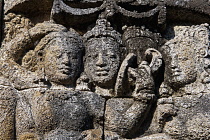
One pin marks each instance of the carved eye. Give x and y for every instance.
(89, 56)
(92, 55)
(58, 55)
(112, 56)
(74, 56)
(40, 54)
(183, 58)
(95, 55)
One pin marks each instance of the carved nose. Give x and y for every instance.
(100, 61)
(65, 58)
(173, 66)
(173, 63)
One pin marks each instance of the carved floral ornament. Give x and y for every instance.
(105, 70)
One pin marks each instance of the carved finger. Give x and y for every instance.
(156, 59)
(122, 74)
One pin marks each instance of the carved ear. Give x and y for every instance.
(155, 58)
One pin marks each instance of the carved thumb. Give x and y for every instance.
(155, 58)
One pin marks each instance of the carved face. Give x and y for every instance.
(102, 60)
(180, 64)
(63, 60)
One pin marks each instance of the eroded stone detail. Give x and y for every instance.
(186, 57)
(102, 59)
(105, 70)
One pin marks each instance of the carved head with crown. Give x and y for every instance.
(102, 54)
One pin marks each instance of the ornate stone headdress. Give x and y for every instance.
(196, 36)
(69, 34)
(138, 39)
(133, 32)
(103, 29)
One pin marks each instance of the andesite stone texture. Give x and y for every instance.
(105, 70)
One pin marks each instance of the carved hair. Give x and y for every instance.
(189, 36)
(15, 24)
(202, 39)
(33, 60)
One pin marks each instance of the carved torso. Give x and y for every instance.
(75, 107)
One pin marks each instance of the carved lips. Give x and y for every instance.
(176, 72)
(101, 71)
(65, 69)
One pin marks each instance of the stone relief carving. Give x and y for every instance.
(102, 59)
(187, 65)
(185, 70)
(106, 70)
(60, 50)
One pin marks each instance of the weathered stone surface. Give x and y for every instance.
(160, 136)
(125, 116)
(8, 98)
(105, 70)
(102, 47)
(192, 119)
(42, 6)
(42, 110)
(93, 134)
(1, 18)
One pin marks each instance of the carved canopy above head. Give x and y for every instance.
(73, 12)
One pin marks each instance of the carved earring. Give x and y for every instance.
(202, 52)
(40, 64)
(40, 55)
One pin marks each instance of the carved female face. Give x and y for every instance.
(180, 65)
(102, 60)
(63, 60)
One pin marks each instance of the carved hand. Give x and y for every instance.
(143, 81)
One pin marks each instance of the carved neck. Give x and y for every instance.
(192, 89)
(195, 88)
(105, 92)
(62, 87)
